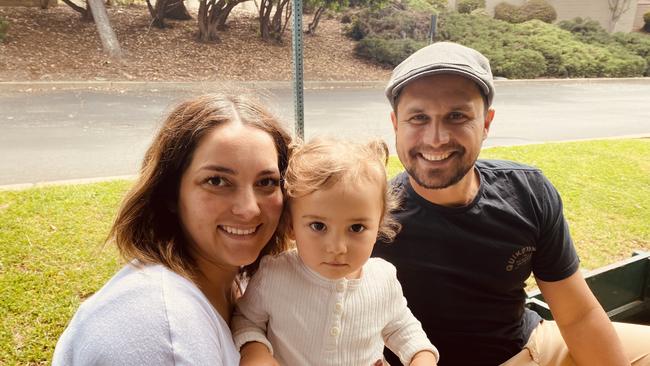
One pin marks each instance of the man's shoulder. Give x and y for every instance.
(504, 166)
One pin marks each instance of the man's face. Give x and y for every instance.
(440, 125)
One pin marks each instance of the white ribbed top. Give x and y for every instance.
(316, 321)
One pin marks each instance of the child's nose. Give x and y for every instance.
(337, 245)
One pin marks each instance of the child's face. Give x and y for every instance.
(336, 228)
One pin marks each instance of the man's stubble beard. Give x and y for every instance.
(431, 178)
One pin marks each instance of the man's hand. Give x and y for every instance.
(256, 354)
(424, 358)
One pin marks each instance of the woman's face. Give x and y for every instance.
(229, 198)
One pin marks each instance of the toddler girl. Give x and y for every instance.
(327, 303)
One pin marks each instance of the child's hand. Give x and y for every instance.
(424, 358)
(256, 354)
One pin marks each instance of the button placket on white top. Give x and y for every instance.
(335, 329)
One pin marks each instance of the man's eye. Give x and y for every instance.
(357, 228)
(317, 226)
(268, 182)
(456, 116)
(419, 118)
(216, 181)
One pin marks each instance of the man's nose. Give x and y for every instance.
(436, 134)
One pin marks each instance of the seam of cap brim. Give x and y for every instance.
(446, 70)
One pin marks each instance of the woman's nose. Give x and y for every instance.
(245, 204)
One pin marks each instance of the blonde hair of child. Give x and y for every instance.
(323, 162)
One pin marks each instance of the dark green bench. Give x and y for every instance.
(622, 288)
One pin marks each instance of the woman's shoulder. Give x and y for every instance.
(147, 312)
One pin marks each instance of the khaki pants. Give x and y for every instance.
(546, 346)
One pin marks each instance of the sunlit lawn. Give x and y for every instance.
(51, 253)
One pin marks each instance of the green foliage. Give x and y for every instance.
(389, 23)
(514, 49)
(531, 9)
(621, 44)
(4, 27)
(427, 6)
(579, 48)
(508, 13)
(646, 21)
(468, 6)
(389, 52)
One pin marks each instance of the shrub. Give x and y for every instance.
(4, 26)
(389, 52)
(480, 11)
(508, 13)
(467, 6)
(531, 9)
(538, 9)
(428, 6)
(646, 21)
(389, 23)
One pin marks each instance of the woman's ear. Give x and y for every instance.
(171, 206)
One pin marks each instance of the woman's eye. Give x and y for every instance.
(317, 226)
(357, 228)
(269, 182)
(216, 181)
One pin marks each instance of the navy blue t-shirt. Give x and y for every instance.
(463, 269)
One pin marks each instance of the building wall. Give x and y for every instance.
(642, 7)
(595, 9)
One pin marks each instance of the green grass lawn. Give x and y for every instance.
(52, 257)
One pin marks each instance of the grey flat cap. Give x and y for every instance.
(442, 58)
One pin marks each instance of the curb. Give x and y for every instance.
(24, 186)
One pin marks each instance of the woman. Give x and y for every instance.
(205, 209)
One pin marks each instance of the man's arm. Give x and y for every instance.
(584, 325)
(256, 354)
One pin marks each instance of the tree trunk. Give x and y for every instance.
(86, 14)
(221, 21)
(176, 9)
(159, 13)
(208, 21)
(106, 33)
(311, 27)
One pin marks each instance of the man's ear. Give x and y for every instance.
(393, 119)
(489, 116)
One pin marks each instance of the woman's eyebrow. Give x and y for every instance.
(218, 168)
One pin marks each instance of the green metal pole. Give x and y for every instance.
(298, 94)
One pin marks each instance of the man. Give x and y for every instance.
(473, 231)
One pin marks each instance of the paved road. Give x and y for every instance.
(86, 132)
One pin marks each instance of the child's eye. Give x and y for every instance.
(317, 226)
(357, 228)
(217, 181)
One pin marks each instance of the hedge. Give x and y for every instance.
(468, 6)
(531, 9)
(528, 50)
